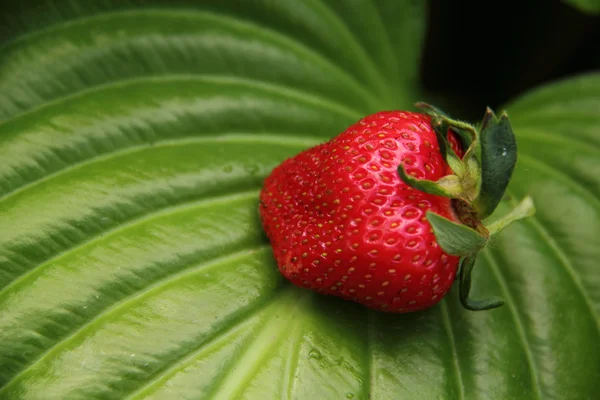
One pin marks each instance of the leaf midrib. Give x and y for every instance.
(231, 385)
(293, 357)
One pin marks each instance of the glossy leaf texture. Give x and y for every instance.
(134, 138)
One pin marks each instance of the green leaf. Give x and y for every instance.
(587, 6)
(454, 238)
(133, 142)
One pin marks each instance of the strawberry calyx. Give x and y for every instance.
(476, 186)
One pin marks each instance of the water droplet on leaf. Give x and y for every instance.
(314, 353)
(252, 169)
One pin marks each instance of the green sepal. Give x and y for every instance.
(470, 179)
(430, 110)
(524, 209)
(447, 186)
(464, 288)
(455, 239)
(439, 126)
(466, 136)
(498, 157)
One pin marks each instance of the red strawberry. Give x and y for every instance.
(343, 222)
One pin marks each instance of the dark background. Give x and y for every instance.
(484, 53)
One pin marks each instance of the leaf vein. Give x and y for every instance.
(538, 135)
(292, 93)
(144, 292)
(258, 350)
(506, 294)
(193, 353)
(567, 179)
(370, 382)
(288, 140)
(102, 235)
(452, 341)
(260, 31)
(291, 366)
(565, 262)
(370, 66)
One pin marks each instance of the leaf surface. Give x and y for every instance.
(134, 138)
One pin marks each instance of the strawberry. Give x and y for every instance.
(377, 215)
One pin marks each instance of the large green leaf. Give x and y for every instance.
(133, 143)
